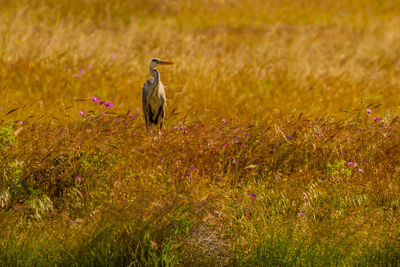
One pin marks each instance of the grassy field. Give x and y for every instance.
(281, 144)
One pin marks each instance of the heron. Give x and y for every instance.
(154, 100)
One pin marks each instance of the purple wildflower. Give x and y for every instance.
(254, 196)
(368, 111)
(95, 99)
(102, 102)
(132, 116)
(223, 120)
(224, 144)
(302, 214)
(109, 105)
(247, 134)
(377, 119)
(350, 163)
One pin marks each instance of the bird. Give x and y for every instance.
(154, 101)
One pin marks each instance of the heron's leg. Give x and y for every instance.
(161, 117)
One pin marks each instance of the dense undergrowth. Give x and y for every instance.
(293, 189)
(281, 144)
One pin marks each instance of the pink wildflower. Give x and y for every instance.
(223, 120)
(350, 163)
(302, 214)
(377, 119)
(109, 105)
(361, 170)
(79, 179)
(95, 99)
(102, 102)
(132, 116)
(369, 111)
(82, 113)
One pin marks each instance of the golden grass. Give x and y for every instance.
(292, 80)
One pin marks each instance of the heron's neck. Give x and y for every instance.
(156, 75)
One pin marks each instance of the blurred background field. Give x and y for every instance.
(280, 145)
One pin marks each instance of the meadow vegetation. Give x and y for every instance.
(281, 144)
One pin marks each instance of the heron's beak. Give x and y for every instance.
(167, 63)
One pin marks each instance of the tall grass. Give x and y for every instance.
(280, 145)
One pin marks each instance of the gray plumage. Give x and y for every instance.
(154, 101)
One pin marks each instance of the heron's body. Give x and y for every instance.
(154, 100)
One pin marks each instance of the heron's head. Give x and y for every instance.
(157, 62)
